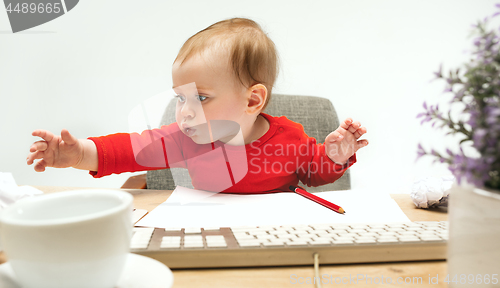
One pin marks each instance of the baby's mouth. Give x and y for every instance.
(189, 131)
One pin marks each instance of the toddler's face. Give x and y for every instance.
(210, 101)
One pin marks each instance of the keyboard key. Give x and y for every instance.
(241, 228)
(141, 237)
(369, 233)
(358, 231)
(273, 244)
(211, 228)
(429, 224)
(408, 233)
(365, 241)
(170, 245)
(173, 229)
(216, 245)
(249, 244)
(341, 227)
(359, 226)
(431, 238)
(342, 242)
(193, 238)
(395, 229)
(144, 229)
(395, 225)
(409, 239)
(385, 234)
(377, 226)
(347, 236)
(215, 241)
(265, 237)
(298, 243)
(193, 244)
(280, 233)
(171, 239)
(217, 238)
(317, 242)
(324, 234)
(388, 240)
(321, 226)
(364, 238)
(413, 225)
(414, 228)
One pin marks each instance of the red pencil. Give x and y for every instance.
(317, 199)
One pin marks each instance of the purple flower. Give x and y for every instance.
(439, 73)
(477, 41)
(479, 121)
(478, 138)
(420, 151)
(421, 114)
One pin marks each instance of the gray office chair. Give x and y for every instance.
(316, 114)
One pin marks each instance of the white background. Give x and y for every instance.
(374, 60)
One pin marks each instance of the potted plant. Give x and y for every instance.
(474, 240)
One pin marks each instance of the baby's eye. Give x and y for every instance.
(180, 98)
(202, 98)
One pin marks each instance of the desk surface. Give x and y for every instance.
(285, 276)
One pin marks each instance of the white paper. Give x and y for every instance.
(432, 191)
(284, 208)
(10, 192)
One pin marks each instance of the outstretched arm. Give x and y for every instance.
(342, 143)
(62, 152)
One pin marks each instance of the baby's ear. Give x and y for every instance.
(257, 98)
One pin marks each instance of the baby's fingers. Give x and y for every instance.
(32, 156)
(354, 126)
(39, 146)
(46, 135)
(362, 143)
(347, 122)
(360, 132)
(68, 138)
(40, 166)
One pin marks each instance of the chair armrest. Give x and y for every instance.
(135, 182)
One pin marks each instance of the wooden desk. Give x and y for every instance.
(287, 276)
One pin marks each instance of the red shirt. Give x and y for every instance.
(280, 158)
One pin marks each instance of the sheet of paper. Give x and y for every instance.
(285, 208)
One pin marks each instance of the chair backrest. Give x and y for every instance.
(316, 114)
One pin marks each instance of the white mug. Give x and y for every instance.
(75, 239)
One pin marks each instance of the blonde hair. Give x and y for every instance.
(252, 54)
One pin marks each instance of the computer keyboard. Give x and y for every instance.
(290, 245)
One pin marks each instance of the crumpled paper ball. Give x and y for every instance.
(431, 192)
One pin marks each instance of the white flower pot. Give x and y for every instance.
(474, 240)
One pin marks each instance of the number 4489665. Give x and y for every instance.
(472, 279)
(35, 8)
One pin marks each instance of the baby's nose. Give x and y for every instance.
(187, 111)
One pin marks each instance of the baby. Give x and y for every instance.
(222, 78)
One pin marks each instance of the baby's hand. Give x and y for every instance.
(55, 151)
(342, 143)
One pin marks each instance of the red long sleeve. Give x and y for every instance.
(280, 158)
(123, 152)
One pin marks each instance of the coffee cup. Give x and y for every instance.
(69, 239)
